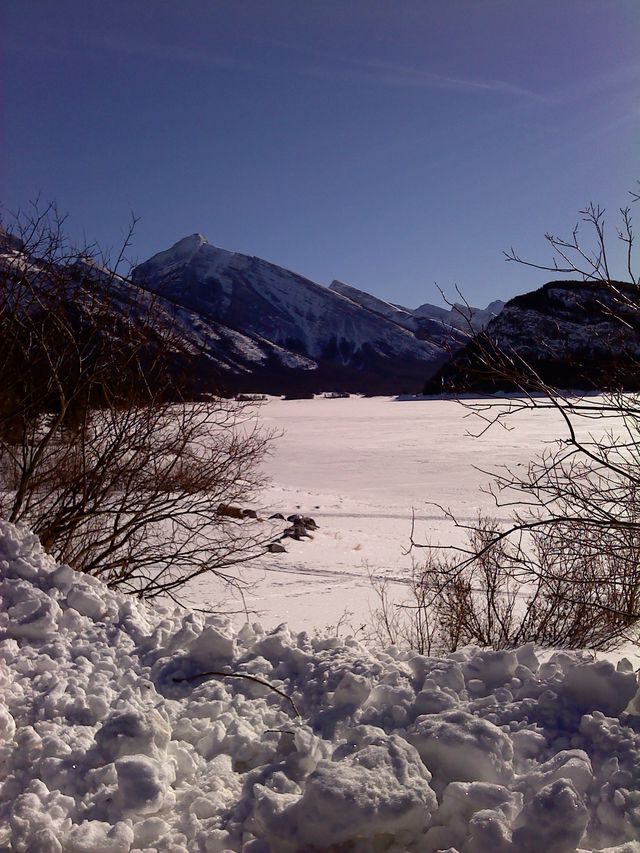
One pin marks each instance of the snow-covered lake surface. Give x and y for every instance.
(361, 467)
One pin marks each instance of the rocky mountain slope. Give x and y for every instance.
(448, 327)
(246, 325)
(570, 334)
(264, 328)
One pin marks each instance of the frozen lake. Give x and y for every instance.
(360, 467)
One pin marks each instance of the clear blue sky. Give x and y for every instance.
(391, 144)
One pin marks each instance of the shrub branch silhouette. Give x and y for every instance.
(565, 571)
(99, 453)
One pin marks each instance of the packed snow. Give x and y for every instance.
(115, 736)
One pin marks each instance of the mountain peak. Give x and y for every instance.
(180, 253)
(190, 244)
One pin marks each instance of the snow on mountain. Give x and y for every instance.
(401, 316)
(209, 355)
(282, 306)
(250, 325)
(465, 318)
(115, 735)
(449, 328)
(572, 334)
(292, 316)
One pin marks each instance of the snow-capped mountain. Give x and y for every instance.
(244, 324)
(270, 329)
(398, 315)
(570, 334)
(465, 318)
(448, 327)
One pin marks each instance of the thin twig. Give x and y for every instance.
(216, 674)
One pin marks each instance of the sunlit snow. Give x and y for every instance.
(116, 735)
(361, 467)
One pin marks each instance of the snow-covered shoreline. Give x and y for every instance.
(105, 750)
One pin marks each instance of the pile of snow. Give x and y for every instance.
(110, 741)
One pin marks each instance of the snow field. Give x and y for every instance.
(361, 467)
(111, 740)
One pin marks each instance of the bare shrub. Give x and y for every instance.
(568, 587)
(566, 570)
(99, 453)
(409, 624)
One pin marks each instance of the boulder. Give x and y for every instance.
(297, 531)
(302, 520)
(230, 511)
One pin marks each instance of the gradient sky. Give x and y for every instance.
(393, 144)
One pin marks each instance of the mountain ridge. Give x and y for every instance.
(248, 325)
(567, 334)
(297, 324)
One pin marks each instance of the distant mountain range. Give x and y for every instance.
(579, 335)
(258, 327)
(247, 325)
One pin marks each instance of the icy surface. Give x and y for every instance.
(111, 739)
(362, 468)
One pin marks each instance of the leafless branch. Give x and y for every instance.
(247, 677)
(100, 453)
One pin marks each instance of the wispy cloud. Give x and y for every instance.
(324, 64)
(388, 74)
(170, 52)
(327, 65)
(286, 59)
(269, 56)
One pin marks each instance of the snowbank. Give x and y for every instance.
(110, 741)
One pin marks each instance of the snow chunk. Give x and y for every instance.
(598, 686)
(142, 784)
(379, 791)
(352, 690)
(572, 764)
(94, 836)
(554, 821)
(212, 647)
(493, 668)
(86, 602)
(133, 732)
(475, 816)
(31, 614)
(457, 746)
(442, 672)
(7, 725)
